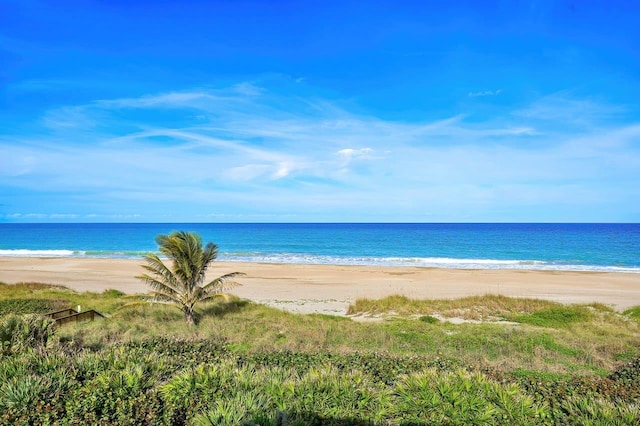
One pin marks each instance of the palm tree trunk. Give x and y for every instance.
(189, 315)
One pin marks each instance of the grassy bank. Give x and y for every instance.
(502, 360)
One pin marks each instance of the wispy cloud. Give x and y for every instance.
(565, 108)
(248, 150)
(484, 93)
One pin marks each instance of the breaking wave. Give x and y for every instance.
(426, 262)
(40, 253)
(313, 259)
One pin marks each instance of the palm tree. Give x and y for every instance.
(182, 284)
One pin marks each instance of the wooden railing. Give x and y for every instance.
(66, 316)
(61, 313)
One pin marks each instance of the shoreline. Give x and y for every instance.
(329, 289)
(322, 260)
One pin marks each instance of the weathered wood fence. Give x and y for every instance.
(66, 316)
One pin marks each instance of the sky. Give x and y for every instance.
(319, 111)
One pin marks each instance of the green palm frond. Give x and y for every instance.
(220, 284)
(159, 291)
(223, 279)
(182, 284)
(162, 274)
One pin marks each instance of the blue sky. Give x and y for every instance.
(306, 111)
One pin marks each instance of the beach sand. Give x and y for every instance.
(329, 289)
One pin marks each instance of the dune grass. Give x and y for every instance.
(556, 354)
(557, 317)
(473, 307)
(633, 312)
(543, 335)
(55, 297)
(547, 337)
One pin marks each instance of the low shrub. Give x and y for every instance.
(31, 306)
(172, 381)
(115, 397)
(184, 352)
(18, 333)
(628, 374)
(112, 293)
(460, 397)
(31, 399)
(429, 319)
(554, 317)
(554, 389)
(579, 410)
(633, 312)
(383, 367)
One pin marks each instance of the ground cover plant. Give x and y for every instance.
(633, 312)
(250, 364)
(43, 298)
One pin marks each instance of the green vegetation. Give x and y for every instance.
(633, 312)
(429, 319)
(16, 299)
(554, 317)
(182, 284)
(30, 306)
(40, 298)
(18, 333)
(486, 307)
(250, 364)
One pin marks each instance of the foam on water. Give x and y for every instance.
(39, 253)
(309, 259)
(427, 262)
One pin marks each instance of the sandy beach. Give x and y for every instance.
(330, 289)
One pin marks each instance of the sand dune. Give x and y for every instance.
(330, 288)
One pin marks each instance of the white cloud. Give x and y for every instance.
(247, 172)
(166, 100)
(484, 93)
(254, 151)
(284, 169)
(248, 89)
(564, 108)
(353, 153)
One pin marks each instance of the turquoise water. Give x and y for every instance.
(599, 247)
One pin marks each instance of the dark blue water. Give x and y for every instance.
(603, 247)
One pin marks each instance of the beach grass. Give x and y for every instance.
(60, 297)
(489, 330)
(550, 362)
(256, 328)
(485, 307)
(633, 312)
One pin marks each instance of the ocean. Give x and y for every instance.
(579, 247)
